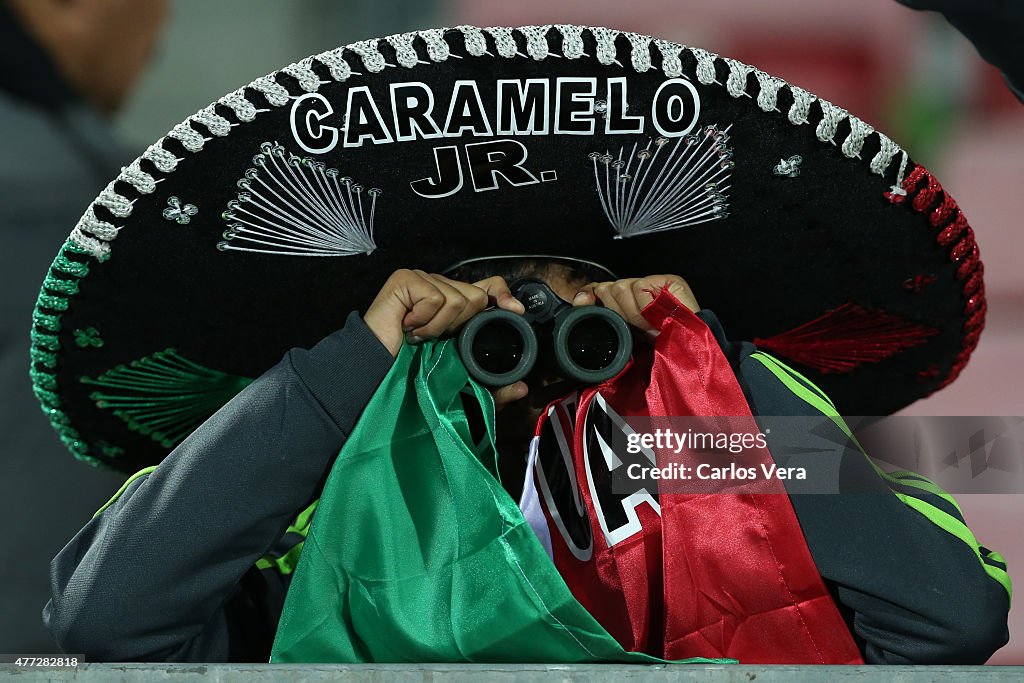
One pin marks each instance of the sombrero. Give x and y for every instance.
(256, 224)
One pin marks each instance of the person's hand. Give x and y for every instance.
(427, 305)
(628, 297)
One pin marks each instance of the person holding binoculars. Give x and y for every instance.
(301, 411)
(188, 331)
(416, 305)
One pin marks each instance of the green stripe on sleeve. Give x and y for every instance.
(124, 486)
(996, 556)
(812, 398)
(954, 526)
(303, 520)
(808, 383)
(926, 485)
(824, 406)
(286, 563)
(938, 517)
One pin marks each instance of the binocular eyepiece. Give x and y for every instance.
(589, 344)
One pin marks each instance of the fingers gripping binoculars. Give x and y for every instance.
(588, 344)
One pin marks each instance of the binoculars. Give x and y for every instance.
(589, 344)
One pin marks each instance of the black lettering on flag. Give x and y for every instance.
(556, 475)
(615, 511)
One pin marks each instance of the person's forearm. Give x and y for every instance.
(148, 577)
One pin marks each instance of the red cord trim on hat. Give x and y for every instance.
(962, 249)
(974, 284)
(970, 263)
(952, 231)
(926, 196)
(942, 212)
(845, 338)
(975, 303)
(918, 283)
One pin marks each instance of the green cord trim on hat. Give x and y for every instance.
(43, 380)
(164, 396)
(58, 302)
(60, 285)
(45, 340)
(45, 321)
(67, 287)
(47, 396)
(68, 266)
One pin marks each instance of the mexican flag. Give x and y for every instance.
(416, 552)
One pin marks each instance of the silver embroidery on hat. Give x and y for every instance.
(302, 72)
(178, 212)
(665, 185)
(788, 168)
(214, 122)
(297, 206)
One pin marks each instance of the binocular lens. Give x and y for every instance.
(592, 344)
(498, 347)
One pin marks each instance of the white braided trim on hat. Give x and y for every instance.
(95, 236)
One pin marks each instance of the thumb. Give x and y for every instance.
(509, 394)
(678, 288)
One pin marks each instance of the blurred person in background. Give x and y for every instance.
(65, 66)
(995, 27)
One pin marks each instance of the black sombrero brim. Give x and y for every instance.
(258, 223)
